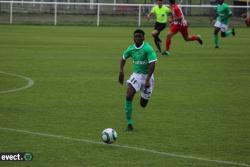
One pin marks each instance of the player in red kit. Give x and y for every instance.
(178, 24)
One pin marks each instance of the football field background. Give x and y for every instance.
(198, 116)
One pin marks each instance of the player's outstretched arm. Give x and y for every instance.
(149, 15)
(170, 18)
(213, 17)
(150, 73)
(121, 73)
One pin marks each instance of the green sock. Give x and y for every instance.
(228, 33)
(128, 111)
(216, 39)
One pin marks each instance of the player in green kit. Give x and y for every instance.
(161, 12)
(142, 79)
(223, 13)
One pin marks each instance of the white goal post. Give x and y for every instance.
(93, 11)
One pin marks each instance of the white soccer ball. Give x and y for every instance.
(109, 135)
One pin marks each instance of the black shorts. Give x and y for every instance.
(160, 26)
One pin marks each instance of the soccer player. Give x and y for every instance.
(161, 12)
(223, 13)
(178, 24)
(142, 79)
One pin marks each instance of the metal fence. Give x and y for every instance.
(99, 14)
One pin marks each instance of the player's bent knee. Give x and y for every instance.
(130, 92)
(143, 105)
(169, 36)
(154, 33)
(129, 98)
(143, 102)
(223, 34)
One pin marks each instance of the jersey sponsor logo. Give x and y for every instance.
(140, 62)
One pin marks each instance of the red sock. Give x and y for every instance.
(168, 42)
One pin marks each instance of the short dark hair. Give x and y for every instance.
(139, 31)
(172, 1)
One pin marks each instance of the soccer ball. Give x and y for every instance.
(109, 135)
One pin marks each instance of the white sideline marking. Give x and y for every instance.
(127, 147)
(28, 85)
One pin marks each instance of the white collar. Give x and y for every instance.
(139, 46)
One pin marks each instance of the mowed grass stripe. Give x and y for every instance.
(125, 146)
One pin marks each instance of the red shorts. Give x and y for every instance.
(183, 29)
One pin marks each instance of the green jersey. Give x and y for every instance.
(223, 13)
(141, 56)
(161, 13)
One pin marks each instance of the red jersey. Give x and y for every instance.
(177, 13)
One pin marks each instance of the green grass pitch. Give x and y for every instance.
(198, 116)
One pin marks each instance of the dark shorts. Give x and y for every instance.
(160, 26)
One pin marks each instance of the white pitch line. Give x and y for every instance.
(127, 147)
(28, 85)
